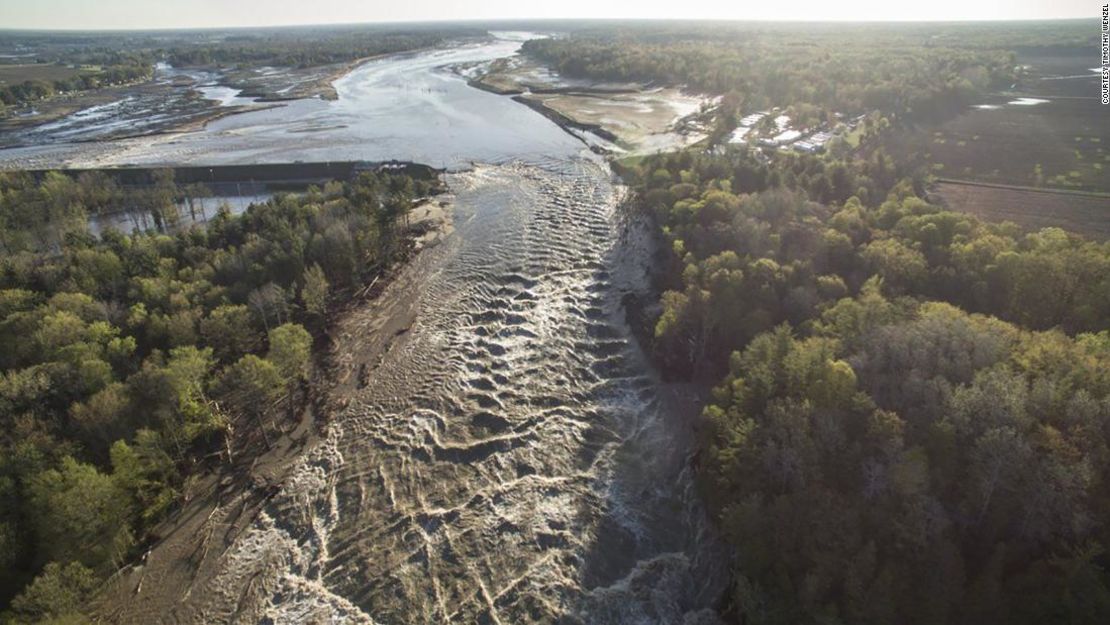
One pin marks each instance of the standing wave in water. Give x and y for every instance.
(511, 459)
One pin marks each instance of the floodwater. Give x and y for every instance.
(137, 111)
(514, 458)
(234, 198)
(405, 107)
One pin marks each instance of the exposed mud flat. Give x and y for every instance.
(629, 118)
(407, 106)
(111, 114)
(276, 84)
(642, 122)
(520, 74)
(174, 100)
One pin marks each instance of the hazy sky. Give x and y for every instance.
(87, 14)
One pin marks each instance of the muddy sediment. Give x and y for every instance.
(564, 121)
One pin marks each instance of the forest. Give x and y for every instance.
(128, 359)
(910, 420)
(906, 413)
(909, 72)
(307, 47)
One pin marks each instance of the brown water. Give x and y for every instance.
(513, 459)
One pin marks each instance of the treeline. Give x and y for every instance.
(301, 49)
(909, 72)
(118, 73)
(125, 359)
(914, 420)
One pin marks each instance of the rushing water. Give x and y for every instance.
(513, 459)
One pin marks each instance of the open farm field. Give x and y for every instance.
(1047, 130)
(1083, 213)
(1061, 143)
(15, 74)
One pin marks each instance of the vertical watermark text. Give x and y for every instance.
(1105, 41)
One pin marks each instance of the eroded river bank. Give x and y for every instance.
(513, 457)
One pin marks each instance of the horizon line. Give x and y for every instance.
(140, 29)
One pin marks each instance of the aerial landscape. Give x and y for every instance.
(592, 313)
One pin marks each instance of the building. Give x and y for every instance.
(783, 138)
(739, 134)
(753, 119)
(814, 143)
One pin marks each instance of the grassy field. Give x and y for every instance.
(14, 74)
(1058, 139)
(1083, 213)
(1063, 144)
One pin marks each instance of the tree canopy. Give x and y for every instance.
(124, 358)
(911, 414)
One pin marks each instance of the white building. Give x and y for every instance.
(785, 137)
(739, 134)
(753, 119)
(814, 143)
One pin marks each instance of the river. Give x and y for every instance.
(404, 107)
(514, 458)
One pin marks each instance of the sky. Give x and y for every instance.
(135, 14)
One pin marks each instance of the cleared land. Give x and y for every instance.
(634, 118)
(1083, 213)
(1067, 138)
(15, 74)
(1046, 130)
(641, 122)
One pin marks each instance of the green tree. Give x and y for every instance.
(314, 293)
(187, 374)
(147, 472)
(290, 351)
(902, 268)
(103, 418)
(80, 514)
(229, 331)
(57, 595)
(251, 386)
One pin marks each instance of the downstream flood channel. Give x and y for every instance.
(514, 458)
